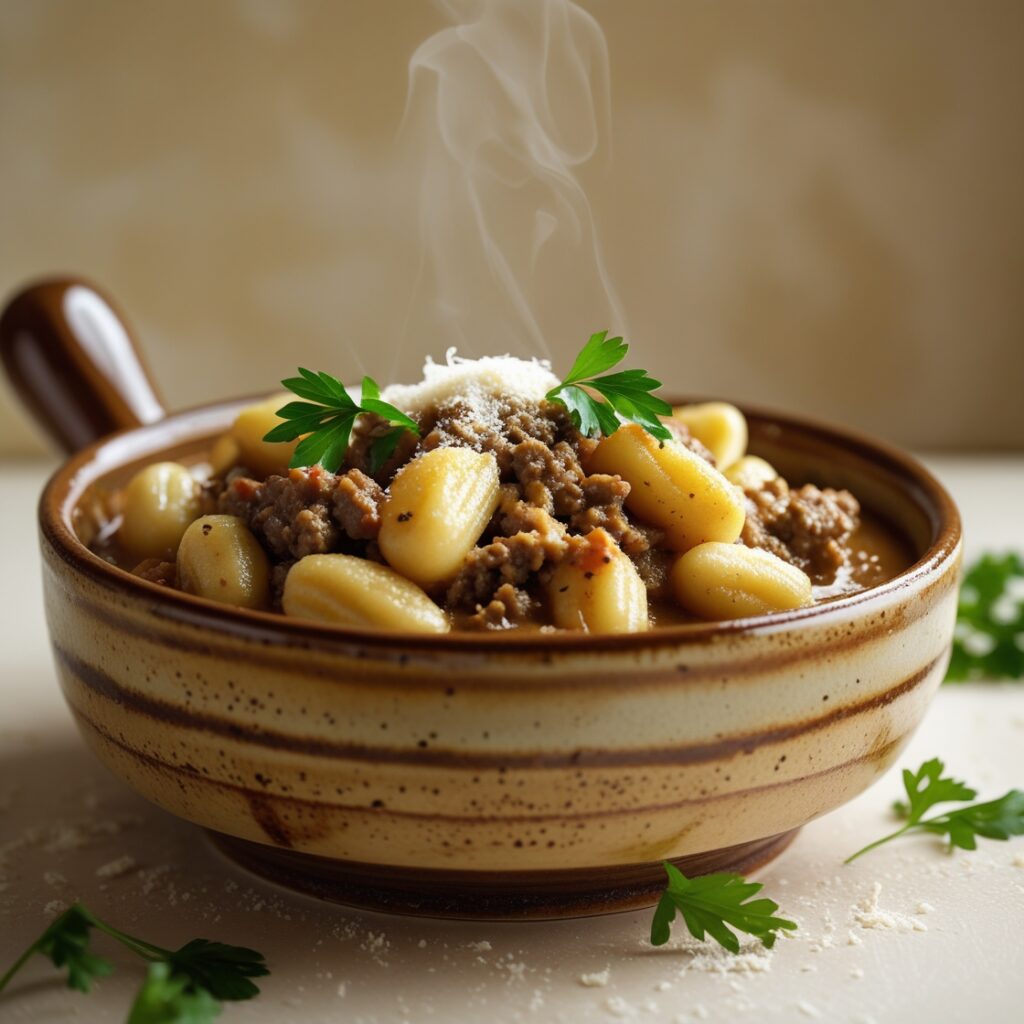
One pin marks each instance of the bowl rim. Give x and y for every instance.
(65, 487)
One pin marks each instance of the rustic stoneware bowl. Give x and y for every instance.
(467, 775)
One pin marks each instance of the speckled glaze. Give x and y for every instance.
(500, 775)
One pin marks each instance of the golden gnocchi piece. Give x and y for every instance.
(731, 581)
(159, 503)
(348, 591)
(751, 473)
(671, 487)
(437, 508)
(598, 589)
(262, 457)
(221, 560)
(720, 427)
(224, 454)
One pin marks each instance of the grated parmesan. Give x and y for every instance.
(116, 868)
(475, 379)
(868, 914)
(618, 1007)
(598, 979)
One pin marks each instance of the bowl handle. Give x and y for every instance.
(73, 359)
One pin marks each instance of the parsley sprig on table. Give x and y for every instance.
(626, 393)
(183, 986)
(711, 903)
(995, 819)
(327, 417)
(990, 621)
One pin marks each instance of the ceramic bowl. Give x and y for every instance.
(496, 775)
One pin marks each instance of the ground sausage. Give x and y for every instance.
(603, 498)
(551, 478)
(509, 606)
(511, 560)
(356, 503)
(157, 571)
(289, 514)
(496, 426)
(807, 526)
(369, 428)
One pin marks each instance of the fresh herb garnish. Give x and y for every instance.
(327, 417)
(710, 903)
(168, 998)
(989, 639)
(184, 986)
(626, 393)
(995, 819)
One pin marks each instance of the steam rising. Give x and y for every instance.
(503, 106)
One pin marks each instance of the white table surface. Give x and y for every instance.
(946, 946)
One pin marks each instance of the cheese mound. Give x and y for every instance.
(506, 376)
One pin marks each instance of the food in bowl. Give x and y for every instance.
(492, 496)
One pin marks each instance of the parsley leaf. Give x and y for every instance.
(995, 819)
(927, 787)
(184, 986)
(627, 394)
(326, 419)
(168, 998)
(710, 903)
(224, 971)
(66, 943)
(990, 621)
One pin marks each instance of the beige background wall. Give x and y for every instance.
(815, 205)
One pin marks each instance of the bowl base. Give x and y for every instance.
(487, 895)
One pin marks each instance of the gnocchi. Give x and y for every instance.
(731, 581)
(253, 422)
(350, 591)
(221, 560)
(224, 454)
(438, 507)
(751, 473)
(672, 488)
(598, 589)
(720, 427)
(159, 503)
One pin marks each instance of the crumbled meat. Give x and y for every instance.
(807, 526)
(236, 473)
(603, 497)
(496, 426)
(307, 511)
(157, 571)
(355, 505)
(551, 478)
(367, 429)
(509, 606)
(653, 564)
(681, 432)
(514, 515)
(278, 574)
(510, 560)
(208, 492)
(290, 514)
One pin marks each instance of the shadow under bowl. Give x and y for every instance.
(500, 776)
